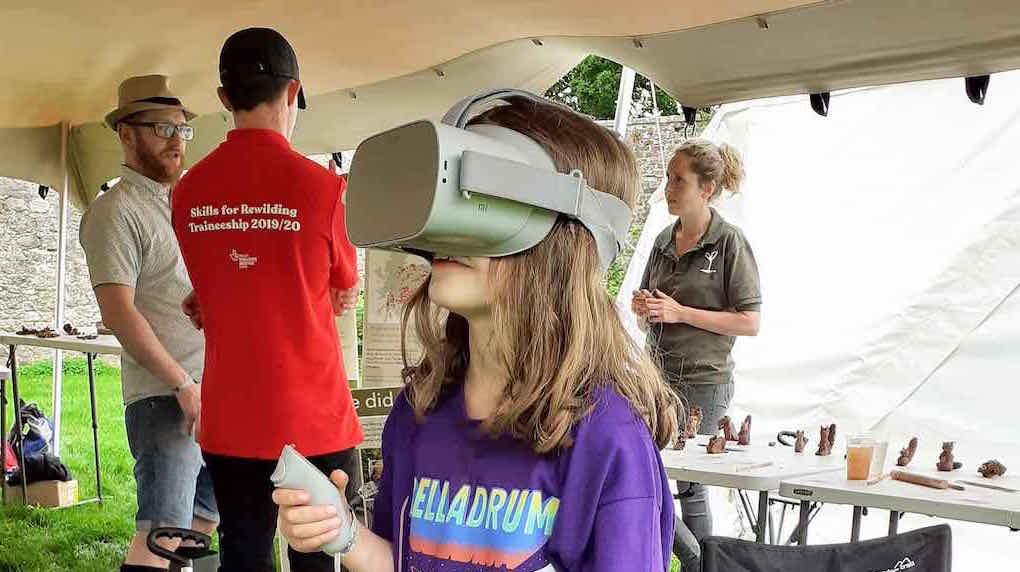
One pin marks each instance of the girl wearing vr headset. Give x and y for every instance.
(528, 436)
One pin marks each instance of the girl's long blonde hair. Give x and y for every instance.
(556, 330)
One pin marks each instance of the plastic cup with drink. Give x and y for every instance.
(865, 457)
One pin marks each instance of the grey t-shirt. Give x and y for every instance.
(718, 274)
(128, 239)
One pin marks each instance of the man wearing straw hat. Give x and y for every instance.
(139, 281)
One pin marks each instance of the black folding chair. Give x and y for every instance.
(925, 550)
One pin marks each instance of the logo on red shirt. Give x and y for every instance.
(243, 260)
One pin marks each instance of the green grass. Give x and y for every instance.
(88, 537)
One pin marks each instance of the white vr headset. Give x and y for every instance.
(443, 188)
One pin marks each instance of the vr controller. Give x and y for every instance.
(293, 471)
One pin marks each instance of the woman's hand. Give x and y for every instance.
(663, 309)
(637, 304)
(308, 528)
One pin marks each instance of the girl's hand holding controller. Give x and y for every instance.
(314, 514)
(309, 528)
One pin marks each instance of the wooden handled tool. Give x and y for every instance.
(924, 480)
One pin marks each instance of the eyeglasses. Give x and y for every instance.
(167, 130)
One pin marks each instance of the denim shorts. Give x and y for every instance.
(173, 484)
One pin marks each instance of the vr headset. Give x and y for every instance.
(440, 188)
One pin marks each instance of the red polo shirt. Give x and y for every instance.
(261, 229)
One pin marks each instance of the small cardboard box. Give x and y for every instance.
(50, 494)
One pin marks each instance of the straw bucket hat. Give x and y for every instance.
(144, 93)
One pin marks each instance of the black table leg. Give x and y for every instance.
(746, 503)
(855, 529)
(763, 515)
(802, 526)
(18, 428)
(95, 426)
(894, 522)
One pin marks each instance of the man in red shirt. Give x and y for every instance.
(262, 234)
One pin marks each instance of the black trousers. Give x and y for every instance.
(248, 515)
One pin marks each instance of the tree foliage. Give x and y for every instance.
(591, 88)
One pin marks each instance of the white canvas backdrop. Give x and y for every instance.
(888, 241)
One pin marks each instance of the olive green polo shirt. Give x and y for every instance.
(718, 274)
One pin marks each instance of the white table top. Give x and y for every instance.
(974, 504)
(105, 344)
(4, 373)
(729, 469)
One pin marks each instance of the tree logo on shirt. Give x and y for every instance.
(243, 260)
(710, 257)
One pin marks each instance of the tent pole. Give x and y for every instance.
(658, 129)
(58, 358)
(623, 100)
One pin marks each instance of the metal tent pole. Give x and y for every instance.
(58, 356)
(623, 101)
(658, 129)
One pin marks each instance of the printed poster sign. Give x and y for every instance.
(391, 278)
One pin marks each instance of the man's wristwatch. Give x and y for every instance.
(188, 380)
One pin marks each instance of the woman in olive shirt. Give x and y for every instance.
(699, 291)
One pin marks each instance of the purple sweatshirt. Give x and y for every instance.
(453, 499)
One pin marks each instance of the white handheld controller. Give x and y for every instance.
(295, 472)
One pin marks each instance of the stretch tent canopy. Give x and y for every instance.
(371, 65)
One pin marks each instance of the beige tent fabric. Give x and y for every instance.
(372, 65)
(32, 154)
(63, 59)
(829, 47)
(378, 49)
(340, 120)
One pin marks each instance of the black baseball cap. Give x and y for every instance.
(252, 52)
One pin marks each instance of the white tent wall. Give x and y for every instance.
(888, 241)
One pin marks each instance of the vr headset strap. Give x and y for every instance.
(460, 113)
(606, 216)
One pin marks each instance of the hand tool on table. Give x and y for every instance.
(989, 486)
(924, 480)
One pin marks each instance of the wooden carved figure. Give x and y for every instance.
(991, 469)
(726, 426)
(826, 440)
(744, 437)
(798, 445)
(946, 462)
(717, 445)
(693, 421)
(908, 453)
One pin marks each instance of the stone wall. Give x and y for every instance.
(653, 143)
(28, 264)
(28, 240)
